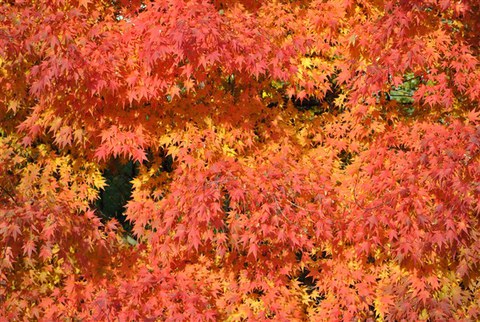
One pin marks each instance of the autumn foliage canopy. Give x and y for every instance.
(291, 160)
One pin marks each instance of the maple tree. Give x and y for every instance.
(291, 160)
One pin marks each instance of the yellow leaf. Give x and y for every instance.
(228, 151)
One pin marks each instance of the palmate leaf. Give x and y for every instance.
(229, 160)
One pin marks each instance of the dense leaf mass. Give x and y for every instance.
(293, 160)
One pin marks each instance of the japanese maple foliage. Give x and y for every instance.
(323, 160)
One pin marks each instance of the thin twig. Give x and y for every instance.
(5, 191)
